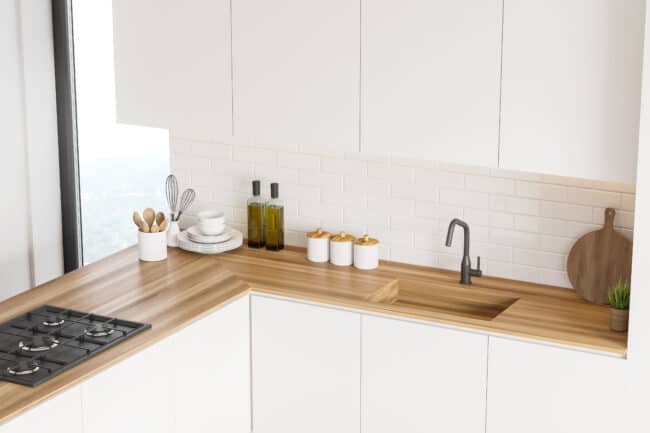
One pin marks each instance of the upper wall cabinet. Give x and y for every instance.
(296, 73)
(430, 79)
(172, 65)
(571, 87)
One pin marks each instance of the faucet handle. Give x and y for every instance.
(477, 272)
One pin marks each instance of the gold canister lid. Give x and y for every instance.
(366, 240)
(319, 233)
(343, 237)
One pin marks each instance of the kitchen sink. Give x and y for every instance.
(470, 302)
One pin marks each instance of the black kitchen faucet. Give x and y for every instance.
(466, 271)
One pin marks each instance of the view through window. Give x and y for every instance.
(122, 167)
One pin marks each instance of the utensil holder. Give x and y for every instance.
(152, 246)
(172, 234)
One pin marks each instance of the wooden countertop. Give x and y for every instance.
(176, 292)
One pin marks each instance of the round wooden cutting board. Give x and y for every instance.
(598, 259)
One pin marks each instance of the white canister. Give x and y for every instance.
(366, 253)
(152, 246)
(341, 249)
(318, 246)
(172, 234)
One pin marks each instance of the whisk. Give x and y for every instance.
(171, 193)
(186, 201)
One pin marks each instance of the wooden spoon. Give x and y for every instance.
(160, 217)
(149, 214)
(163, 225)
(137, 219)
(155, 229)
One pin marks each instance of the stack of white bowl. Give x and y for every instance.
(211, 235)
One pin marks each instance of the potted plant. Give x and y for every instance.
(619, 301)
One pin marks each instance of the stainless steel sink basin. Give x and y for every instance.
(476, 303)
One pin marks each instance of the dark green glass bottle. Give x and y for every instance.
(256, 206)
(274, 221)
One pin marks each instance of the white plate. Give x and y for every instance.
(233, 243)
(195, 235)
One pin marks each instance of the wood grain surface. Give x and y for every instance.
(174, 293)
(598, 259)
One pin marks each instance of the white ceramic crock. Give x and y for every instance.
(366, 253)
(318, 246)
(172, 234)
(152, 246)
(341, 249)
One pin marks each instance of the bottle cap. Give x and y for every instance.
(256, 187)
(275, 190)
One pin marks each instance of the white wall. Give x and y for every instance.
(522, 224)
(31, 251)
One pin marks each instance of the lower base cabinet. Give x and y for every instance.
(212, 373)
(419, 378)
(196, 380)
(535, 388)
(59, 414)
(134, 395)
(306, 368)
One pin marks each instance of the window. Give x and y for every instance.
(122, 168)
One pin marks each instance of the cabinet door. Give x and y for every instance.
(430, 79)
(305, 368)
(539, 389)
(212, 372)
(134, 395)
(60, 414)
(572, 87)
(421, 378)
(172, 65)
(296, 73)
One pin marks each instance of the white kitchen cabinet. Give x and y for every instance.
(572, 87)
(430, 79)
(306, 368)
(541, 389)
(172, 65)
(212, 372)
(134, 395)
(59, 414)
(296, 73)
(421, 378)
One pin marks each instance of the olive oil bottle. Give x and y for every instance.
(256, 206)
(274, 222)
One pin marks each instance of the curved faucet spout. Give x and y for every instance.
(466, 271)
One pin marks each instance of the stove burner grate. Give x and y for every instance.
(23, 368)
(39, 343)
(100, 330)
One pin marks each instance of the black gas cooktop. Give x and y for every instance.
(49, 340)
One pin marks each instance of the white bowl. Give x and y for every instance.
(211, 222)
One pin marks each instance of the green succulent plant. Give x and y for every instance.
(619, 295)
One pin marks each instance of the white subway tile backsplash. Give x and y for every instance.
(538, 259)
(211, 150)
(489, 184)
(470, 199)
(343, 166)
(522, 224)
(298, 160)
(628, 201)
(433, 178)
(515, 205)
(255, 155)
(541, 191)
(592, 197)
(565, 211)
